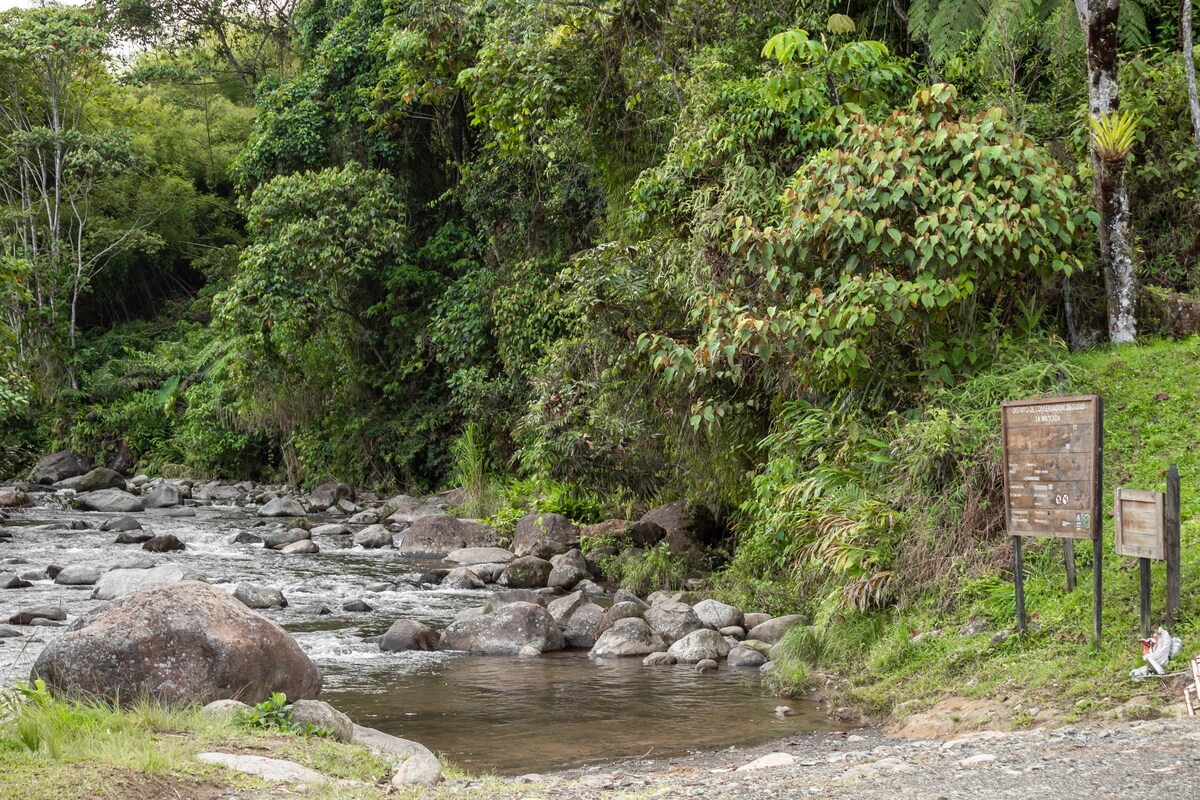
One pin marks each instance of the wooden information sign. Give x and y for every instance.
(1050, 467)
(1138, 521)
(1053, 480)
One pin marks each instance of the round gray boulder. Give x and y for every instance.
(505, 632)
(184, 643)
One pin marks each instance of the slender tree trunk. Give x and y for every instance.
(1189, 69)
(1099, 21)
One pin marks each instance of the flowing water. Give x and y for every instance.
(485, 714)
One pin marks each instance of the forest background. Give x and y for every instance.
(781, 259)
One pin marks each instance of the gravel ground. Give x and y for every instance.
(1152, 760)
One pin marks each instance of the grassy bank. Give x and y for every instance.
(60, 750)
(903, 659)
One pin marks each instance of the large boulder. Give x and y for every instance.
(673, 620)
(717, 615)
(186, 643)
(99, 478)
(468, 556)
(282, 507)
(162, 495)
(407, 634)
(544, 535)
(527, 572)
(687, 526)
(328, 494)
(116, 500)
(121, 582)
(505, 632)
(442, 534)
(60, 466)
(698, 646)
(627, 637)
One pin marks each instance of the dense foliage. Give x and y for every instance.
(782, 258)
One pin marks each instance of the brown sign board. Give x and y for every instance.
(1050, 466)
(1138, 522)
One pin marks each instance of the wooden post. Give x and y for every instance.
(1019, 583)
(1171, 535)
(1069, 560)
(1098, 530)
(1144, 587)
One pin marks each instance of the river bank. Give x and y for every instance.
(155, 756)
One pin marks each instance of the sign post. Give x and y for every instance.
(1053, 482)
(1171, 542)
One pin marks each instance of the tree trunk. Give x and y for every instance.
(1189, 69)
(1099, 21)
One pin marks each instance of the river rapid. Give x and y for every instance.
(481, 713)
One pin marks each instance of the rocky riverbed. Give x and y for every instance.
(389, 596)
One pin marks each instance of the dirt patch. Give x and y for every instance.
(953, 716)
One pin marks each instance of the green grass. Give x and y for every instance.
(59, 749)
(1152, 419)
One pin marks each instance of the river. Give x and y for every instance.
(482, 714)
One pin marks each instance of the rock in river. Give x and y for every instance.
(77, 575)
(717, 615)
(527, 572)
(470, 556)
(253, 595)
(120, 582)
(441, 534)
(11, 580)
(186, 643)
(282, 507)
(161, 495)
(164, 543)
(406, 634)
(505, 632)
(110, 500)
(699, 646)
(26, 616)
(373, 537)
(673, 620)
(100, 478)
(627, 637)
(60, 466)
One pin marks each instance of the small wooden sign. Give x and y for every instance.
(1138, 520)
(1050, 466)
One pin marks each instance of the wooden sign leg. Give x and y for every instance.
(1144, 584)
(1019, 583)
(1069, 560)
(1171, 535)
(1098, 531)
(1097, 589)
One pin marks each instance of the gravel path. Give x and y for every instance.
(1151, 760)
